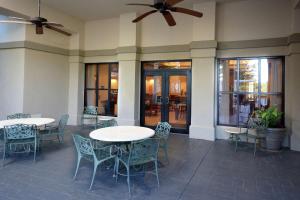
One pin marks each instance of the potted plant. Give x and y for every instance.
(272, 120)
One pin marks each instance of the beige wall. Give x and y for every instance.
(247, 20)
(102, 34)
(11, 81)
(46, 83)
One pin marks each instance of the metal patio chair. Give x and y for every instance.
(90, 113)
(162, 131)
(18, 116)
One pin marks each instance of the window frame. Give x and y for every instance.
(238, 92)
(97, 88)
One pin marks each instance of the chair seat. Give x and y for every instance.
(139, 161)
(21, 141)
(235, 130)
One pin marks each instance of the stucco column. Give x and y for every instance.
(76, 89)
(129, 72)
(202, 116)
(129, 93)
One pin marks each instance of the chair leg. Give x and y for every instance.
(4, 153)
(77, 167)
(94, 173)
(34, 153)
(128, 179)
(156, 172)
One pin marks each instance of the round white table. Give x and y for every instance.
(122, 133)
(36, 121)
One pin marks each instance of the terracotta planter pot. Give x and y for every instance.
(274, 138)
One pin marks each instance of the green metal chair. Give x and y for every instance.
(86, 151)
(55, 132)
(90, 113)
(18, 116)
(162, 131)
(106, 123)
(140, 153)
(20, 138)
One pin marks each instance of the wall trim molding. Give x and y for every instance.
(209, 44)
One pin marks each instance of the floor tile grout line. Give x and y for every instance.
(201, 161)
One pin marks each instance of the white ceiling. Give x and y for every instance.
(101, 9)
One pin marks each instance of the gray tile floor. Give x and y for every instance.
(197, 170)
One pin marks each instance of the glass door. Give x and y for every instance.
(152, 101)
(178, 100)
(166, 98)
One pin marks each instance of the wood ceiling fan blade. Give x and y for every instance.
(53, 24)
(58, 30)
(172, 2)
(139, 4)
(144, 15)
(15, 22)
(169, 18)
(186, 11)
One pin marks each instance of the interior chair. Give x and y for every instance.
(90, 113)
(162, 132)
(18, 116)
(140, 153)
(20, 138)
(86, 151)
(55, 132)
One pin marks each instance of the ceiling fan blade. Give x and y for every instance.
(53, 24)
(186, 11)
(58, 30)
(144, 15)
(139, 4)
(15, 22)
(169, 18)
(172, 2)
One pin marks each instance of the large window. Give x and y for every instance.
(247, 84)
(101, 87)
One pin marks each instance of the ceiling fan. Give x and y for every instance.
(164, 7)
(39, 23)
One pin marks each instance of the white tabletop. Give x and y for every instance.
(36, 121)
(122, 133)
(236, 130)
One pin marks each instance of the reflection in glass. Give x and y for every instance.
(271, 100)
(90, 97)
(153, 100)
(102, 101)
(227, 75)
(228, 109)
(177, 101)
(271, 75)
(103, 76)
(248, 75)
(247, 104)
(167, 65)
(114, 84)
(91, 75)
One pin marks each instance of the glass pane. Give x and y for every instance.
(91, 74)
(177, 101)
(90, 97)
(248, 75)
(228, 109)
(167, 65)
(103, 76)
(227, 75)
(103, 102)
(153, 100)
(271, 100)
(114, 81)
(271, 75)
(248, 103)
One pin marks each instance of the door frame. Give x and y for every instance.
(165, 74)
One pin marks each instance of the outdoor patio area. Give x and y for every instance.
(197, 169)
